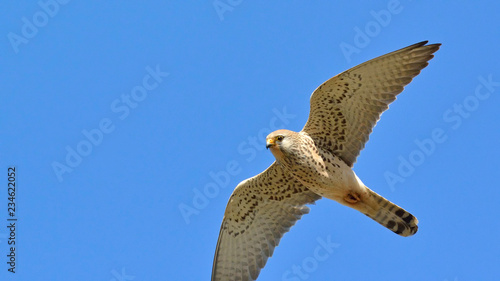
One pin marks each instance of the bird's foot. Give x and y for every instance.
(352, 198)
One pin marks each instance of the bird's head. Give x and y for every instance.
(279, 142)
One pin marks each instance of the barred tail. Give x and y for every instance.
(390, 215)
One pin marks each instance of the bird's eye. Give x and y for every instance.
(280, 138)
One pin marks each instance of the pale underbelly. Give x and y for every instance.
(333, 182)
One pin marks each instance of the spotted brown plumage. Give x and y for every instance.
(260, 210)
(317, 162)
(345, 108)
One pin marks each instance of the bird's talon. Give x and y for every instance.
(352, 198)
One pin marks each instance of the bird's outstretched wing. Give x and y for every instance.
(345, 108)
(260, 210)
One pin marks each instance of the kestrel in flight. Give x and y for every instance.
(317, 162)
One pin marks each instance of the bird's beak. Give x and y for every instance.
(269, 143)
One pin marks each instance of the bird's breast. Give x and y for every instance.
(324, 173)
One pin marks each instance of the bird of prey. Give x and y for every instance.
(317, 162)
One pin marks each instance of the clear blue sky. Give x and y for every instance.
(117, 115)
